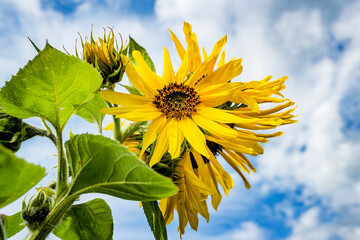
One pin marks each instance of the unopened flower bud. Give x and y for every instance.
(12, 131)
(105, 56)
(38, 207)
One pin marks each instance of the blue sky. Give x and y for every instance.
(307, 184)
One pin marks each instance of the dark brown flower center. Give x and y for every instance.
(176, 100)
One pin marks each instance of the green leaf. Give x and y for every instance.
(52, 86)
(135, 46)
(87, 221)
(132, 90)
(91, 110)
(99, 164)
(12, 224)
(155, 219)
(16, 176)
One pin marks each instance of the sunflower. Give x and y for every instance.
(200, 176)
(175, 104)
(198, 115)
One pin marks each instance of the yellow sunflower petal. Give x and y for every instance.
(169, 75)
(143, 86)
(233, 165)
(109, 127)
(192, 46)
(198, 204)
(213, 127)
(194, 136)
(124, 99)
(191, 214)
(215, 95)
(238, 161)
(190, 176)
(222, 59)
(218, 46)
(179, 48)
(203, 173)
(223, 74)
(225, 176)
(161, 146)
(200, 71)
(215, 198)
(184, 69)
(218, 115)
(204, 53)
(154, 80)
(175, 138)
(150, 135)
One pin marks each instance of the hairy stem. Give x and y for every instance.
(116, 128)
(32, 131)
(62, 167)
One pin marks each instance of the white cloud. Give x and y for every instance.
(287, 42)
(301, 30)
(248, 231)
(309, 226)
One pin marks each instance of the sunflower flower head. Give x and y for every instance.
(198, 114)
(105, 56)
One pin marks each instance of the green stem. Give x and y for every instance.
(45, 125)
(62, 167)
(32, 131)
(55, 215)
(117, 127)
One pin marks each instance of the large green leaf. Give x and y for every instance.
(12, 224)
(90, 112)
(52, 86)
(155, 219)
(135, 46)
(16, 176)
(88, 221)
(99, 164)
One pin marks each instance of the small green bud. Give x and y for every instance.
(12, 131)
(38, 207)
(52, 184)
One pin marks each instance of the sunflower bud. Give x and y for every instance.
(105, 56)
(12, 131)
(38, 207)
